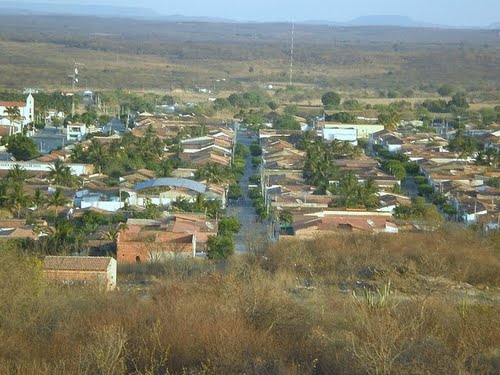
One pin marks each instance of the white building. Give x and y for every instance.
(76, 132)
(26, 109)
(363, 131)
(340, 134)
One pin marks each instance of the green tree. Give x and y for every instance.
(286, 121)
(62, 175)
(343, 117)
(61, 239)
(22, 147)
(229, 226)
(57, 200)
(165, 169)
(97, 155)
(255, 149)
(220, 247)
(234, 192)
(389, 118)
(285, 217)
(113, 231)
(331, 99)
(212, 173)
(17, 174)
(18, 200)
(253, 119)
(38, 199)
(353, 194)
(13, 114)
(446, 90)
(459, 100)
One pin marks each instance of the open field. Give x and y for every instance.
(161, 56)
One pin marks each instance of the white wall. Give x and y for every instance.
(346, 135)
(77, 169)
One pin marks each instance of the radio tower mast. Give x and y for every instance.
(291, 53)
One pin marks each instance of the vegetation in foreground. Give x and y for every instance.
(423, 303)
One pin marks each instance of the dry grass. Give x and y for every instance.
(254, 315)
(169, 56)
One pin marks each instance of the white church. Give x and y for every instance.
(27, 110)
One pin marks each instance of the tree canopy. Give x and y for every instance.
(331, 99)
(22, 147)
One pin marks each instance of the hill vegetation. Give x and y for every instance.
(411, 304)
(189, 55)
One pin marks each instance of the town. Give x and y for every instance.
(264, 224)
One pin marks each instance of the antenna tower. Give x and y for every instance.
(291, 53)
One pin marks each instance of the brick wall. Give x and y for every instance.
(135, 250)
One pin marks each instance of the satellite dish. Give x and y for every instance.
(209, 225)
(76, 80)
(76, 70)
(299, 201)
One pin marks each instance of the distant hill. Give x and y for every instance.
(27, 8)
(378, 20)
(381, 20)
(13, 8)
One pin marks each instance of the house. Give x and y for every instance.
(26, 109)
(363, 131)
(149, 242)
(469, 209)
(163, 191)
(340, 134)
(17, 228)
(81, 270)
(181, 223)
(390, 141)
(306, 226)
(76, 132)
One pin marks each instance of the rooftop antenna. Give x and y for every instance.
(74, 80)
(291, 53)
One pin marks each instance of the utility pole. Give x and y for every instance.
(74, 80)
(291, 53)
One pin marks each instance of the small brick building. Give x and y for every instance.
(81, 270)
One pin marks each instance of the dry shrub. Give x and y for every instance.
(458, 255)
(281, 313)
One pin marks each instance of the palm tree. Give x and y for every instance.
(58, 200)
(348, 191)
(78, 154)
(61, 240)
(165, 169)
(38, 199)
(114, 231)
(115, 149)
(17, 174)
(18, 200)
(13, 114)
(61, 174)
(211, 172)
(97, 155)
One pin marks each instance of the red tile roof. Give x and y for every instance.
(69, 263)
(12, 104)
(4, 130)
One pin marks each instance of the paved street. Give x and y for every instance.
(253, 234)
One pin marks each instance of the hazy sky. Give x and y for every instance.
(450, 12)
